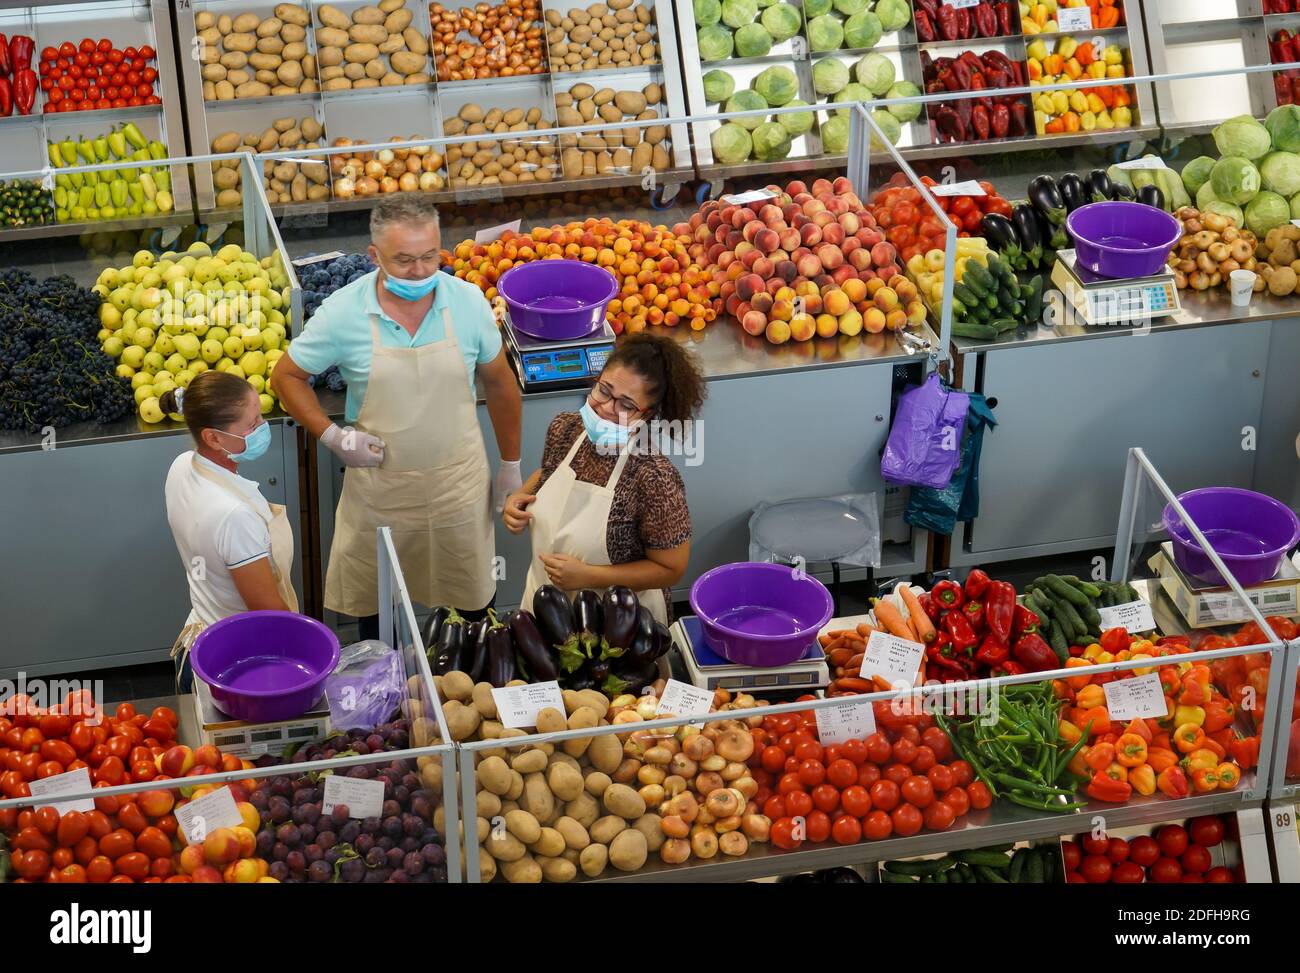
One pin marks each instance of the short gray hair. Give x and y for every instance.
(406, 207)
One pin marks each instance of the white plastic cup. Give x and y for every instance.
(1242, 285)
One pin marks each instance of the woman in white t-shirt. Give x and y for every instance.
(235, 547)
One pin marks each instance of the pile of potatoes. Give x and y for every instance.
(505, 162)
(247, 56)
(285, 182)
(385, 171)
(616, 34)
(374, 47)
(627, 151)
(547, 812)
(507, 40)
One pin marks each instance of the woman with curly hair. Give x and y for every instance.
(607, 508)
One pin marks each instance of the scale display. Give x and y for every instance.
(545, 367)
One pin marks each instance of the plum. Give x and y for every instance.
(363, 843)
(395, 857)
(413, 862)
(313, 853)
(339, 815)
(376, 857)
(434, 854)
(296, 861)
(349, 832)
(327, 839)
(278, 871)
(279, 851)
(289, 834)
(353, 870)
(319, 871)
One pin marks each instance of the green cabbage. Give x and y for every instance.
(877, 72)
(746, 99)
(715, 43)
(782, 21)
(1196, 172)
(825, 33)
(1283, 124)
(777, 84)
(1266, 211)
(1295, 207)
(816, 8)
(1205, 196)
(888, 125)
(904, 113)
(830, 76)
(738, 13)
(862, 30)
(731, 144)
(850, 7)
(718, 86)
(893, 14)
(1279, 172)
(771, 142)
(753, 40)
(835, 135)
(850, 93)
(707, 12)
(1242, 136)
(1235, 179)
(796, 122)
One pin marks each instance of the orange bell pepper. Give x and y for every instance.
(1116, 771)
(1107, 96)
(1072, 122)
(1085, 54)
(1100, 756)
(1195, 687)
(1143, 779)
(1077, 682)
(1219, 713)
(1199, 760)
(1229, 775)
(1107, 18)
(1214, 747)
(1077, 764)
(1140, 728)
(1099, 716)
(1205, 779)
(1130, 750)
(1222, 737)
(1189, 737)
(1172, 782)
(1069, 733)
(1160, 741)
(1161, 758)
(1090, 697)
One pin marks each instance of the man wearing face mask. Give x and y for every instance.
(410, 342)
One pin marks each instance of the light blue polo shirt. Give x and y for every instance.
(339, 332)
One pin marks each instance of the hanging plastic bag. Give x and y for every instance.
(366, 686)
(939, 510)
(924, 443)
(844, 529)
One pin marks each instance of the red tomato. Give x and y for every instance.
(938, 741)
(49, 53)
(135, 865)
(774, 807)
(81, 738)
(1096, 869)
(878, 748)
(961, 772)
(125, 711)
(924, 759)
(117, 844)
(910, 732)
(1117, 850)
(143, 91)
(907, 820)
(831, 754)
(826, 798)
(799, 803)
(884, 795)
(119, 745)
(1127, 873)
(49, 768)
(817, 827)
(788, 784)
(160, 868)
(99, 870)
(1172, 839)
(904, 751)
(897, 773)
(111, 771)
(1095, 846)
(791, 765)
(846, 830)
(842, 773)
(856, 800)
(1207, 831)
(72, 827)
(1143, 850)
(780, 723)
(47, 820)
(939, 816)
(132, 818)
(941, 777)
(811, 773)
(147, 53)
(854, 751)
(868, 774)
(67, 49)
(1166, 870)
(788, 742)
(59, 751)
(73, 875)
(773, 759)
(809, 750)
(150, 75)
(1196, 859)
(1219, 876)
(957, 799)
(980, 795)
(782, 834)
(1072, 855)
(918, 790)
(877, 825)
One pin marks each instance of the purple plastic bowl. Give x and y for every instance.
(266, 665)
(557, 299)
(759, 614)
(1119, 239)
(1249, 531)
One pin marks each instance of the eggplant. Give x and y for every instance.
(1074, 191)
(1122, 191)
(501, 655)
(626, 676)
(449, 649)
(479, 665)
(1045, 194)
(643, 648)
(599, 671)
(841, 876)
(1151, 196)
(590, 619)
(1025, 222)
(538, 658)
(469, 646)
(582, 679)
(619, 608)
(663, 639)
(1101, 187)
(433, 627)
(1001, 235)
(554, 615)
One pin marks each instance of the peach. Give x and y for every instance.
(790, 240)
(802, 327)
(812, 207)
(850, 223)
(906, 290)
(870, 237)
(764, 267)
(749, 285)
(824, 281)
(809, 266)
(778, 332)
(802, 197)
(887, 271)
(755, 322)
(176, 761)
(247, 840)
(837, 205)
(799, 254)
(791, 211)
(679, 229)
(800, 221)
(874, 320)
(767, 240)
(775, 283)
(771, 214)
(762, 302)
(804, 288)
(741, 310)
(785, 294)
(859, 258)
(810, 234)
(842, 273)
(787, 270)
(207, 875)
(830, 256)
(722, 234)
(833, 233)
(867, 275)
(822, 186)
(885, 298)
(893, 280)
(882, 253)
(795, 187)
(725, 257)
(850, 322)
(782, 311)
(742, 215)
(750, 229)
(842, 185)
(823, 220)
(836, 302)
(221, 846)
(776, 256)
(873, 285)
(850, 244)
(156, 803)
(828, 326)
(915, 313)
(812, 303)
(855, 290)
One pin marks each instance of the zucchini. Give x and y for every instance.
(967, 295)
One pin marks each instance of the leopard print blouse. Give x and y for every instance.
(649, 511)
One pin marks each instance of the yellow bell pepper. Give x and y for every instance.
(1037, 52)
(1123, 117)
(1073, 69)
(1113, 55)
(1095, 104)
(1066, 46)
(1097, 71)
(1189, 714)
(1113, 71)
(1103, 117)
(1202, 759)
(1104, 657)
(1143, 779)
(1089, 697)
(1106, 123)
(1040, 122)
(1060, 102)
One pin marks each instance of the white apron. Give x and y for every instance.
(572, 517)
(433, 488)
(281, 532)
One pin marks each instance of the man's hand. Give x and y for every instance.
(354, 447)
(508, 481)
(516, 515)
(567, 573)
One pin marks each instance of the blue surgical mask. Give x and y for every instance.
(256, 444)
(410, 290)
(600, 431)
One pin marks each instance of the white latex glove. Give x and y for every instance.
(353, 447)
(508, 481)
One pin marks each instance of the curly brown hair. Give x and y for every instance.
(669, 369)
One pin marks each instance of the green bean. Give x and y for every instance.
(1021, 783)
(1041, 805)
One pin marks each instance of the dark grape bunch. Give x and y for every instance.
(400, 846)
(52, 371)
(318, 282)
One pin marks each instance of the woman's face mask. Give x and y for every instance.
(255, 443)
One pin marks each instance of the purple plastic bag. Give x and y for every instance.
(366, 686)
(924, 446)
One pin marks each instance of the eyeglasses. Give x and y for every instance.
(405, 261)
(603, 393)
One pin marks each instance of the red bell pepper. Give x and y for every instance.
(1009, 668)
(1001, 119)
(1004, 17)
(1035, 654)
(1022, 621)
(965, 23)
(977, 583)
(1019, 119)
(1115, 640)
(948, 27)
(959, 631)
(924, 27)
(1172, 782)
(961, 71)
(949, 124)
(5, 67)
(20, 52)
(6, 97)
(1000, 607)
(986, 21)
(1245, 751)
(947, 594)
(24, 90)
(941, 655)
(1105, 788)
(992, 653)
(974, 612)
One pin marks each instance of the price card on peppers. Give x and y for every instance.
(201, 817)
(894, 659)
(73, 782)
(1073, 18)
(1133, 616)
(1136, 699)
(363, 798)
(519, 705)
(494, 232)
(683, 699)
(968, 188)
(852, 719)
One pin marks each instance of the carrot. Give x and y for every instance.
(916, 615)
(840, 632)
(840, 657)
(825, 640)
(891, 619)
(865, 630)
(854, 684)
(882, 685)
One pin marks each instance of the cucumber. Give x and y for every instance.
(973, 329)
(1061, 588)
(991, 302)
(1059, 643)
(984, 858)
(1087, 587)
(967, 295)
(1074, 618)
(980, 277)
(966, 872)
(1004, 324)
(1033, 295)
(1034, 873)
(890, 878)
(987, 874)
(1018, 864)
(925, 866)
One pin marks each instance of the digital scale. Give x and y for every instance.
(1203, 605)
(250, 740)
(1110, 301)
(708, 670)
(564, 364)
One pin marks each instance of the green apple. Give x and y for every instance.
(150, 410)
(265, 403)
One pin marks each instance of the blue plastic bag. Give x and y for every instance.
(924, 446)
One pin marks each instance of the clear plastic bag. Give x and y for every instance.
(843, 529)
(924, 446)
(366, 686)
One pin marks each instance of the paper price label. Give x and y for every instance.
(850, 720)
(363, 798)
(753, 196)
(200, 818)
(683, 699)
(1146, 162)
(1138, 698)
(1283, 819)
(1134, 616)
(961, 3)
(493, 232)
(73, 782)
(1073, 18)
(318, 258)
(518, 706)
(968, 188)
(896, 660)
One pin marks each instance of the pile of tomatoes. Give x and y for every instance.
(96, 74)
(912, 226)
(120, 748)
(1175, 854)
(900, 780)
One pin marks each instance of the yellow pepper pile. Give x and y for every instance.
(1104, 107)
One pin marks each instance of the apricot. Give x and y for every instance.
(782, 311)
(874, 320)
(778, 332)
(850, 322)
(828, 326)
(802, 327)
(896, 320)
(854, 289)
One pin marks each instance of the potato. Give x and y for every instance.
(391, 45)
(240, 42)
(332, 16)
(487, 804)
(229, 197)
(415, 41)
(605, 829)
(516, 786)
(225, 24)
(631, 102)
(575, 835)
(621, 160)
(557, 869)
(587, 109)
(604, 752)
(226, 142)
(252, 89)
(397, 21)
(405, 62)
(298, 188)
(529, 762)
(291, 139)
(328, 57)
(420, 77)
(622, 800)
(332, 74)
(583, 809)
(270, 45)
(375, 69)
(462, 720)
(549, 719)
(293, 34)
(367, 34)
(225, 178)
(470, 113)
(268, 27)
(655, 134)
(565, 782)
(327, 37)
(354, 71)
(210, 37)
(628, 850)
(504, 846)
(652, 93)
(246, 22)
(537, 797)
(593, 860)
(659, 160)
(523, 826)
(456, 685)
(493, 775)
(292, 13)
(610, 112)
(549, 843)
(648, 825)
(596, 783)
(315, 193)
(642, 156)
(263, 62)
(213, 72)
(277, 188)
(204, 19)
(526, 871)
(388, 6)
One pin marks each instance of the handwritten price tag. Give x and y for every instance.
(968, 188)
(961, 3)
(519, 705)
(73, 782)
(753, 196)
(1135, 699)
(1134, 616)
(1073, 18)
(1146, 162)
(200, 818)
(850, 720)
(494, 232)
(683, 699)
(364, 798)
(896, 660)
